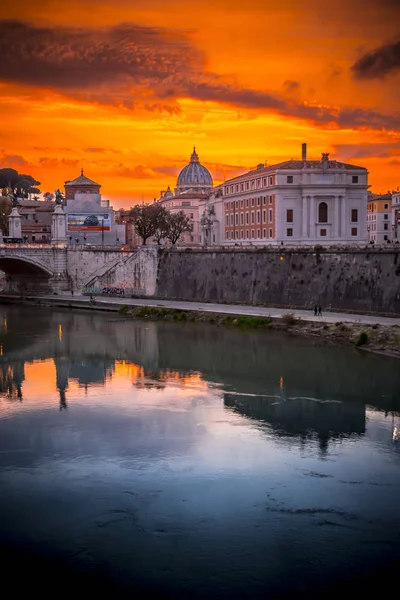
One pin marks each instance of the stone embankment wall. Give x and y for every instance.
(123, 274)
(349, 278)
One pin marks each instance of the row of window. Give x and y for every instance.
(322, 214)
(322, 232)
(246, 218)
(372, 227)
(372, 207)
(234, 205)
(254, 234)
(250, 185)
(373, 217)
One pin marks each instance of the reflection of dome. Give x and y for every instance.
(168, 193)
(194, 175)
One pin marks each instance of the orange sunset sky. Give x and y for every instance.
(125, 88)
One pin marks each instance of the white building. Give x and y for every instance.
(396, 216)
(297, 202)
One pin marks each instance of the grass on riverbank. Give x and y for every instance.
(377, 338)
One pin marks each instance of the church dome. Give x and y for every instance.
(194, 175)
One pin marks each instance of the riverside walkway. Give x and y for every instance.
(106, 302)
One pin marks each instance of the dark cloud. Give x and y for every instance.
(383, 150)
(378, 62)
(127, 62)
(291, 85)
(12, 160)
(53, 163)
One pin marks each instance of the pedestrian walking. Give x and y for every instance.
(320, 311)
(315, 310)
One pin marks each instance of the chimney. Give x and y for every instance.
(304, 152)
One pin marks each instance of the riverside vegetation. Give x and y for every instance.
(376, 338)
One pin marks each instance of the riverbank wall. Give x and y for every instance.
(364, 280)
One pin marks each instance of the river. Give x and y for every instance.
(187, 460)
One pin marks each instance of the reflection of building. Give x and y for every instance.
(90, 219)
(379, 218)
(302, 416)
(297, 202)
(11, 379)
(193, 186)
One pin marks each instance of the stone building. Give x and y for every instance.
(396, 216)
(193, 186)
(297, 202)
(379, 218)
(90, 218)
(36, 216)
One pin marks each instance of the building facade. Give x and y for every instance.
(90, 218)
(211, 214)
(193, 186)
(379, 219)
(396, 216)
(297, 202)
(36, 218)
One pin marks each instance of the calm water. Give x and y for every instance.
(193, 461)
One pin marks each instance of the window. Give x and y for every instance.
(323, 212)
(258, 217)
(385, 217)
(258, 233)
(270, 232)
(264, 200)
(354, 179)
(264, 216)
(289, 215)
(232, 205)
(247, 234)
(237, 235)
(270, 199)
(247, 185)
(247, 218)
(252, 217)
(252, 234)
(252, 201)
(258, 182)
(258, 201)
(191, 215)
(270, 215)
(264, 181)
(241, 204)
(231, 235)
(241, 234)
(241, 187)
(385, 226)
(271, 181)
(237, 204)
(227, 220)
(236, 219)
(386, 206)
(354, 215)
(241, 218)
(289, 179)
(247, 203)
(322, 232)
(237, 188)
(289, 232)
(264, 233)
(385, 237)
(354, 231)
(231, 220)
(226, 235)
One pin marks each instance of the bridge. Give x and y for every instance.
(46, 268)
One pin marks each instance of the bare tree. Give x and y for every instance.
(5, 209)
(148, 219)
(177, 224)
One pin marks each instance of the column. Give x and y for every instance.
(311, 232)
(14, 224)
(336, 218)
(343, 233)
(304, 216)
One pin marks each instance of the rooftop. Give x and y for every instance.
(82, 180)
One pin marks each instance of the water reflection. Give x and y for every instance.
(196, 460)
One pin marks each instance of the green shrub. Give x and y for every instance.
(362, 339)
(123, 309)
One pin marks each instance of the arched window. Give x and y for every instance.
(323, 212)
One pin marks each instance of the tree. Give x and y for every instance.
(19, 184)
(48, 196)
(5, 209)
(148, 219)
(177, 224)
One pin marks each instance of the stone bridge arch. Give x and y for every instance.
(26, 271)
